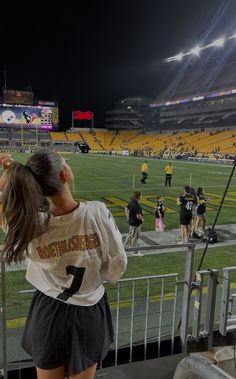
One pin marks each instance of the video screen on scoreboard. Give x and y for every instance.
(41, 117)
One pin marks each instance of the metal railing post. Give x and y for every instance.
(186, 297)
(211, 302)
(117, 323)
(226, 323)
(197, 304)
(210, 309)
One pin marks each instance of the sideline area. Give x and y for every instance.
(226, 236)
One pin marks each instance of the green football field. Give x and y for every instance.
(111, 179)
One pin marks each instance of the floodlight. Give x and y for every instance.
(233, 36)
(170, 59)
(196, 50)
(219, 42)
(178, 57)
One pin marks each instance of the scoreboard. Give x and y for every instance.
(38, 116)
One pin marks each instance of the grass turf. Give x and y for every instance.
(111, 179)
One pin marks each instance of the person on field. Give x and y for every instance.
(193, 233)
(72, 248)
(144, 172)
(201, 211)
(160, 213)
(185, 201)
(134, 214)
(168, 174)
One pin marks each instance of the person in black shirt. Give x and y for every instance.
(193, 233)
(135, 219)
(201, 210)
(186, 201)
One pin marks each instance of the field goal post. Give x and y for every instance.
(133, 181)
(25, 142)
(190, 179)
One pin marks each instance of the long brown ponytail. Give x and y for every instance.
(25, 198)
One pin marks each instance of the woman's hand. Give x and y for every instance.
(5, 161)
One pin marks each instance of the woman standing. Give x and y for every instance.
(185, 201)
(201, 210)
(71, 248)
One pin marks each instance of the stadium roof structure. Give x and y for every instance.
(206, 67)
(210, 109)
(132, 113)
(201, 91)
(194, 97)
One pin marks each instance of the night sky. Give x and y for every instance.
(90, 54)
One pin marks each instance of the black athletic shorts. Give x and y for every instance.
(200, 212)
(57, 333)
(185, 218)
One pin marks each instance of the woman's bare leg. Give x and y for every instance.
(193, 225)
(203, 223)
(197, 223)
(56, 373)
(186, 233)
(182, 229)
(87, 374)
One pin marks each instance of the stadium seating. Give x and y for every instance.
(90, 139)
(122, 139)
(74, 137)
(58, 136)
(202, 141)
(198, 142)
(44, 136)
(4, 135)
(107, 139)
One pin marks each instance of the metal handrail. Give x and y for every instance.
(185, 299)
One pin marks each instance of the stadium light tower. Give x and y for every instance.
(196, 51)
(179, 57)
(219, 42)
(232, 37)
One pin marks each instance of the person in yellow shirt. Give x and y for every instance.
(144, 172)
(168, 172)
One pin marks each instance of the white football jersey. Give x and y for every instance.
(78, 252)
